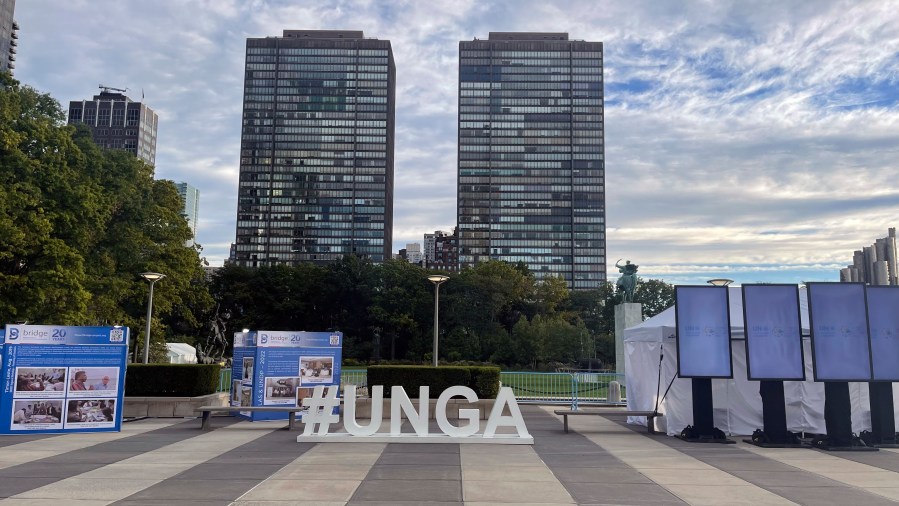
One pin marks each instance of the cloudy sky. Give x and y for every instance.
(753, 140)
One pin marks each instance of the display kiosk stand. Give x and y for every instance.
(838, 420)
(703, 429)
(774, 433)
(883, 422)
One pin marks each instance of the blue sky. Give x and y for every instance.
(757, 141)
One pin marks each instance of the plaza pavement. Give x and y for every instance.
(171, 462)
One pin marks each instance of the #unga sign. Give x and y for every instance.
(321, 415)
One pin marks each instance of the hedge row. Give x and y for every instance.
(483, 380)
(171, 380)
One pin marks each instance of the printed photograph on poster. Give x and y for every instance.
(87, 413)
(246, 396)
(93, 381)
(316, 370)
(303, 393)
(248, 368)
(36, 414)
(38, 382)
(235, 392)
(281, 391)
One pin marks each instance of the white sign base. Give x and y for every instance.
(499, 439)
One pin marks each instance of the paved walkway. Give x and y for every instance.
(167, 462)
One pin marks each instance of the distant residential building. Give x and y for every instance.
(531, 179)
(316, 163)
(8, 36)
(413, 253)
(875, 264)
(430, 241)
(117, 122)
(446, 253)
(191, 198)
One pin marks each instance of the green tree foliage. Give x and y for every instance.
(78, 224)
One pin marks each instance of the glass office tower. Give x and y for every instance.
(316, 163)
(531, 169)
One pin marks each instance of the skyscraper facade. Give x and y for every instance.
(8, 36)
(531, 170)
(191, 198)
(117, 122)
(316, 165)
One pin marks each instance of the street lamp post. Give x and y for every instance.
(152, 277)
(437, 279)
(720, 282)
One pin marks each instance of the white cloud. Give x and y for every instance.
(754, 137)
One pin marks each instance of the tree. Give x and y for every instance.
(79, 223)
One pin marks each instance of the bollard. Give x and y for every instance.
(614, 391)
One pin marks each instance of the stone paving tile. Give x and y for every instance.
(419, 459)
(301, 490)
(830, 496)
(611, 493)
(603, 475)
(195, 490)
(515, 492)
(510, 473)
(732, 495)
(410, 472)
(408, 491)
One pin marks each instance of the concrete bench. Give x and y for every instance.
(290, 410)
(650, 415)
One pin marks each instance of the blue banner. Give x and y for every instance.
(63, 379)
(773, 333)
(883, 323)
(282, 368)
(839, 328)
(703, 332)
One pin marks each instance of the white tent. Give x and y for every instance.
(181, 353)
(738, 405)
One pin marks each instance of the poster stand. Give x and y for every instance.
(883, 424)
(838, 420)
(703, 429)
(774, 433)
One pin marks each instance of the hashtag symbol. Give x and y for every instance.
(321, 411)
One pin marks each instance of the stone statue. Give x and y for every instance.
(212, 351)
(628, 280)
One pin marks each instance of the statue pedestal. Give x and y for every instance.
(627, 314)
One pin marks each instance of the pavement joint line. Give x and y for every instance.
(607, 442)
(62, 489)
(17, 454)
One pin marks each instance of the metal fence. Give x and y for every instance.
(568, 388)
(225, 380)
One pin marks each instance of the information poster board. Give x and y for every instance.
(703, 332)
(883, 325)
(242, 364)
(773, 333)
(63, 379)
(283, 367)
(839, 331)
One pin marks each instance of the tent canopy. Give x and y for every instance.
(181, 353)
(663, 325)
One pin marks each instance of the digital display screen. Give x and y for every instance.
(883, 323)
(703, 332)
(839, 329)
(773, 332)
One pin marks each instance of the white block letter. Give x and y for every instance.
(400, 401)
(473, 415)
(506, 398)
(349, 411)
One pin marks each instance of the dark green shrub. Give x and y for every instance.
(483, 380)
(171, 380)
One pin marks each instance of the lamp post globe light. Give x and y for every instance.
(720, 282)
(152, 277)
(437, 279)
